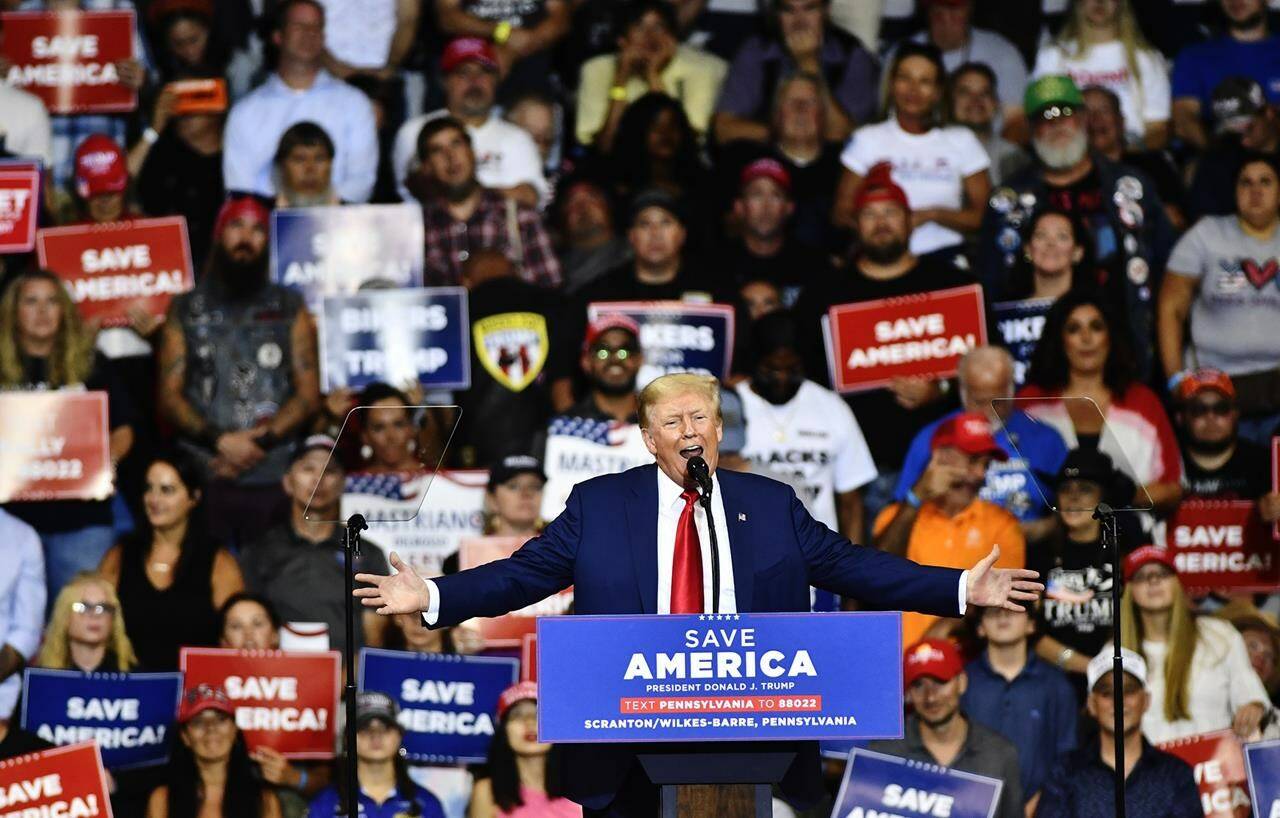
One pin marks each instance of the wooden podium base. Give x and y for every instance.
(717, 801)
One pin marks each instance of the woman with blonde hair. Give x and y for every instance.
(1101, 44)
(45, 346)
(86, 629)
(1198, 671)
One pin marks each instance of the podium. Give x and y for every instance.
(755, 685)
(720, 785)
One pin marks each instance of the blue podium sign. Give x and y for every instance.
(729, 677)
(876, 784)
(447, 703)
(1262, 762)
(129, 715)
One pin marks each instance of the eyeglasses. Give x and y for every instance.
(1055, 112)
(1220, 408)
(1150, 577)
(619, 353)
(93, 608)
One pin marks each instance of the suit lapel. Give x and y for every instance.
(737, 518)
(641, 506)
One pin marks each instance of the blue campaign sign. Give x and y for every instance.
(882, 785)
(447, 702)
(129, 715)
(325, 251)
(1018, 328)
(730, 677)
(1262, 762)
(418, 334)
(677, 336)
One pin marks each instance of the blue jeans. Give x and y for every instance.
(66, 553)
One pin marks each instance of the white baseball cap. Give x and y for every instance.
(1131, 662)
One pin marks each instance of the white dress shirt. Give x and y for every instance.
(670, 506)
(22, 599)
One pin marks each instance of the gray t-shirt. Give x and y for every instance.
(1236, 312)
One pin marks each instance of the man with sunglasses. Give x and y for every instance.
(1217, 463)
(611, 361)
(1129, 233)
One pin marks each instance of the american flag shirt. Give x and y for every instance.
(449, 242)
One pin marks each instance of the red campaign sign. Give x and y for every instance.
(64, 781)
(109, 268)
(1222, 544)
(925, 335)
(19, 204)
(67, 58)
(529, 658)
(286, 701)
(54, 446)
(1218, 763)
(509, 630)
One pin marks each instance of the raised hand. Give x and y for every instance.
(1001, 587)
(403, 592)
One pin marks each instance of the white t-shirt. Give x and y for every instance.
(813, 437)
(1222, 681)
(1143, 99)
(931, 167)
(24, 125)
(506, 155)
(359, 32)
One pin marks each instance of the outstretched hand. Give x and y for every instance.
(1001, 587)
(403, 592)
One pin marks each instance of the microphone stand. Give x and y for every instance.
(705, 499)
(1106, 515)
(350, 550)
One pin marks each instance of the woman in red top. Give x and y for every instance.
(1082, 372)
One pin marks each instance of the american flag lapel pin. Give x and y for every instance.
(742, 518)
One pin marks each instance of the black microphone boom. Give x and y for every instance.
(701, 475)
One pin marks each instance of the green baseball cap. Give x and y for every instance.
(1055, 89)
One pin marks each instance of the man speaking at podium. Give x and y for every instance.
(638, 542)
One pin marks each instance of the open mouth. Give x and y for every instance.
(532, 738)
(691, 451)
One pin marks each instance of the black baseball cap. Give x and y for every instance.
(313, 443)
(372, 705)
(514, 465)
(1087, 464)
(1236, 101)
(656, 197)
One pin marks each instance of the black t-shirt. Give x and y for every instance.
(793, 267)
(1076, 609)
(813, 187)
(178, 181)
(894, 426)
(507, 405)
(1246, 476)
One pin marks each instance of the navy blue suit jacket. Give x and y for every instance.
(605, 545)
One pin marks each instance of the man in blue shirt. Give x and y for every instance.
(1157, 784)
(1022, 698)
(986, 374)
(1245, 49)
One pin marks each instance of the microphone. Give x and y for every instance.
(700, 473)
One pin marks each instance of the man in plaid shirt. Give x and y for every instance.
(461, 216)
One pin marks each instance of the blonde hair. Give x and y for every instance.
(678, 383)
(72, 356)
(1183, 635)
(55, 653)
(1071, 38)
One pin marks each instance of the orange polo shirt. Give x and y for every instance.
(956, 542)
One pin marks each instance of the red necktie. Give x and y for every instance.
(686, 568)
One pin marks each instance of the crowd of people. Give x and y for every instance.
(1115, 162)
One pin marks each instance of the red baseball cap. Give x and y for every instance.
(969, 432)
(606, 322)
(518, 692)
(878, 186)
(765, 169)
(1199, 380)
(466, 49)
(238, 207)
(204, 697)
(938, 658)
(1145, 555)
(100, 167)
